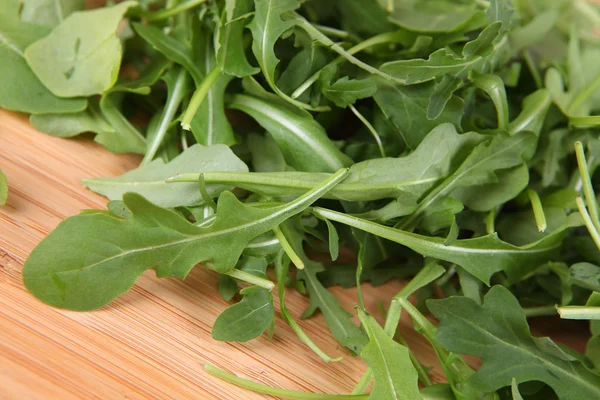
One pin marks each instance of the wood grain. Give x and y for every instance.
(150, 343)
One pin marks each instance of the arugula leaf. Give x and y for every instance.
(68, 125)
(49, 12)
(406, 177)
(406, 108)
(436, 17)
(302, 140)
(337, 319)
(20, 88)
(149, 180)
(267, 27)
(481, 257)
(152, 238)
(443, 62)
(229, 43)
(210, 125)
(497, 332)
(345, 91)
(82, 55)
(395, 376)
(247, 319)
(175, 50)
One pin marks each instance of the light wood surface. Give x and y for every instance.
(150, 343)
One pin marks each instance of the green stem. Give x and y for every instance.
(204, 193)
(373, 41)
(199, 96)
(538, 210)
(281, 271)
(244, 276)
(493, 86)
(588, 189)
(169, 12)
(535, 73)
(371, 129)
(173, 102)
(583, 95)
(588, 221)
(579, 312)
(287, 247)
(327, 30)
(592, 120)
(539, 311)
(287, 394)
(490, 219)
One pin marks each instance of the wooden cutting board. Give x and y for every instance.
(152, 342)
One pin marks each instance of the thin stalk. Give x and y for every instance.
(329, 31)
(592, 120)
(389, 7)
(184, 141)
(588, 189)
(533, 69)
(588, 221)
(373, 41)
(493, 86)
(490, 220)
(169, 12)
(244, 276)
(281, 271)
(287, 247)
(286, 394)
(173, 102)
(539, 311)
(538, 210)
(392, 319)
(204, 193)
(371, 129)
(583, 95)
(579, 312)
(199, 96)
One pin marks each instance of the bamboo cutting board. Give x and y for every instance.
(152, 342)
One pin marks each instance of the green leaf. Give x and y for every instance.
(107, 254)
(334, 241)
(406, 108)
(247, 319)
(267, 26)
(20, 89)
(510, 182)
(149, 180)
(82, 55)
(585, 275)
(443, 62)
(227, 287)
(3, 189)
(481, 257)
(230, 39)
(210, 124)
(365, 17)
(49, 12)
(71, 124)
(435, 17)
(441, 96)
(406, 178)
(395, 376)
(499, 152)
(302, 140)
(346, 91)
(172, 48)
(497, 332)
(337, 319)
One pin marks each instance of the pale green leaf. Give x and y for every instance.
(149, 180)
(82, 55)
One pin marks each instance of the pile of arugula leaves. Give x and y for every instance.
(449, 143)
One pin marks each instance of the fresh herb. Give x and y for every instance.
(453, 144)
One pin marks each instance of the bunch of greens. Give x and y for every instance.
(442, 141)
